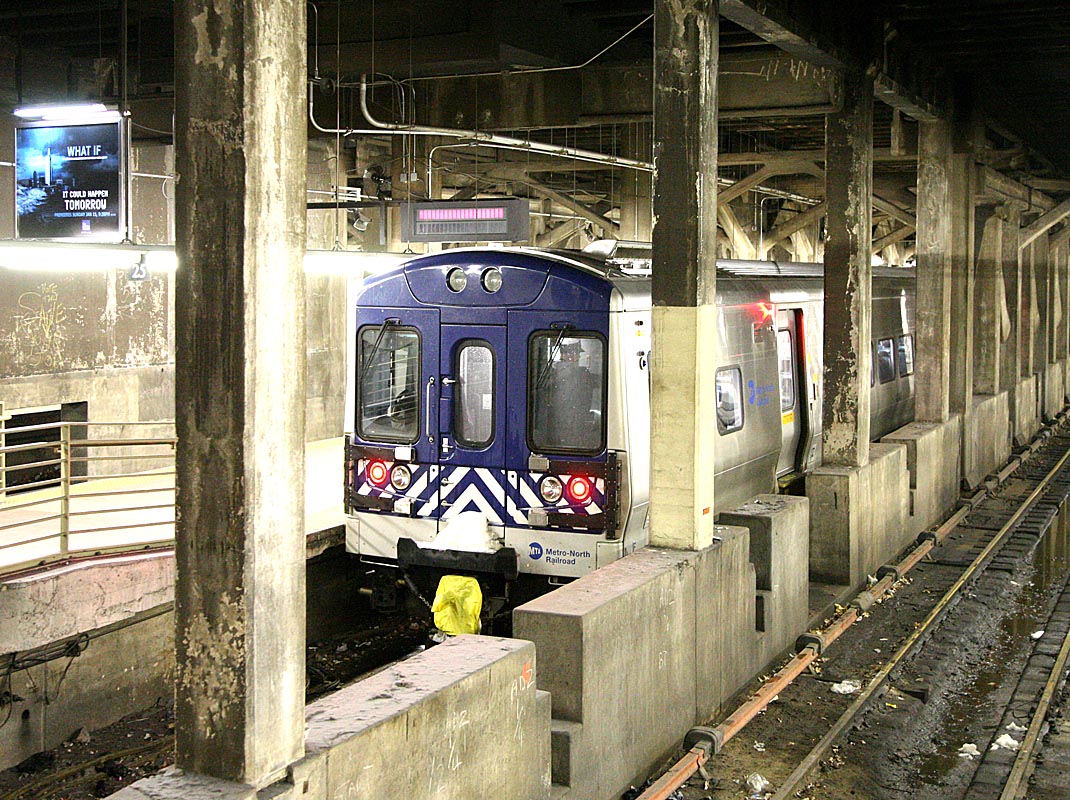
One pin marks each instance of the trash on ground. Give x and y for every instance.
(1036, 635)
(1014, 727)
(759, 747)
(1006, 742)
(757, 785)
(846, 687)
(969, 750)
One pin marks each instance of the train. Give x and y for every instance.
(501, 414)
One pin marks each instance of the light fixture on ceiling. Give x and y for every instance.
(82, 111)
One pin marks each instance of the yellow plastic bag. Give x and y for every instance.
(457, 605)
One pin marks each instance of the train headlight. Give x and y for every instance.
(377, 473)
(579, 489)
(550, 489)
(456, 280)
(400, 477)
(491, 279)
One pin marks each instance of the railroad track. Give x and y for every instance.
(895, 737)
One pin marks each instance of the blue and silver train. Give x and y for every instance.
(502, 404)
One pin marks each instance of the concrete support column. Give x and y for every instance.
(962, 285)
(1030, 312)
(848, 275)
(933, 338)
(683, 429)
(636, 187)
(1042, 270)
(989, 303)
(1011, 262)
(1062, 273)
(240, 387)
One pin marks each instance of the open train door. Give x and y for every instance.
(793, 411)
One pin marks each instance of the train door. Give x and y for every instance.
(471, 441)
(792, 389)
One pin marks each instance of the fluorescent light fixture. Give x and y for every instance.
(350, 262)
(44, 256)
(87, 257)
(67, 112)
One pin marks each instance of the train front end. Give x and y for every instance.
(481, 434)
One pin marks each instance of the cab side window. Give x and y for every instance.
(885, 360)
(729, 399)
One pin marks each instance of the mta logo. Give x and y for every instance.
(536, 551)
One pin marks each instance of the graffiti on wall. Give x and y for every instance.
(40, 327)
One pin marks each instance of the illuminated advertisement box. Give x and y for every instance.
(68, 180)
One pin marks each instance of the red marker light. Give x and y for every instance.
(765, 311)
(377, 473)
(578, 489)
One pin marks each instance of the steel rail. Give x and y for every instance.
(1024, 758)
(791, 785)
(716, 737)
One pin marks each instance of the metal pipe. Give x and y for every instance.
(497, 140)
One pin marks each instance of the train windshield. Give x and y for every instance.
(388, 377)
(566, 392)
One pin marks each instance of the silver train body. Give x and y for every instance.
(514, 491)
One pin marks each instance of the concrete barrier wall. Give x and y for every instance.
(637, 652)
(988, 437)
(64, 601)
(1026, 421)
(779, 528)
(1054, 390)
(934, 466)
(859, 517)
(462, 720)
(118, 673)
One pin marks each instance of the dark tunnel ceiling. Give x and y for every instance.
(1011, 56)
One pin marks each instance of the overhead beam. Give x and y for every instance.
(1008, 189)
(1060, 237)
(793, 225)
(775, 25)
(897, 96)
(895, 236)
(1042, 224)
(608, 225)
(881, 155)
(744, 185)
(559, 233)
(894, 211)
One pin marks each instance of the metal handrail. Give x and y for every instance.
(30, 506)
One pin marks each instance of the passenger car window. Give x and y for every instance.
(906, 355)
(388, 379)
(473, 407)
(566, 392)
(885, 364)
(729, 399)
(786, 359)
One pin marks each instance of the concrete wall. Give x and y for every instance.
(934, 464)
(461, 720)
(779, 528)
(859, 518)
(103, 339)
(1054, 390)
(637, 652)
(987, 436)
(120, 671)
(1026, 419)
